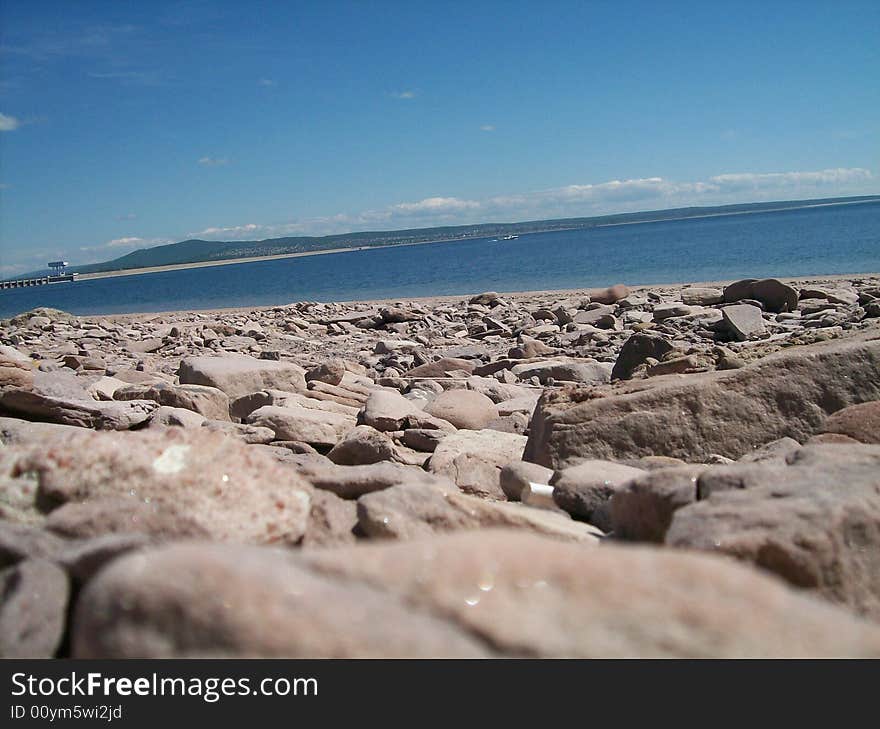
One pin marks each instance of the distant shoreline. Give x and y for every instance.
(329, 251)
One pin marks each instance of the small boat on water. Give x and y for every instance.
(510, 237)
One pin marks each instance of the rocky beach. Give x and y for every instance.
(676, 470)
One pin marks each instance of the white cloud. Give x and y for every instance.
(408, 94)
(575, 200)
(436, 206)
(8, 123)
(487, 128)
(236, 231)
(213, 161)
(266, 82)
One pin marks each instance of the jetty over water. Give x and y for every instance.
(41, 281)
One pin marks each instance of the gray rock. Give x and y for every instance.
(33, 611)
(585, 490)
(636, 351)
(744, 321)
(815, 522)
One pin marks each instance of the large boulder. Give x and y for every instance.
(463, 408)
(526, 595)
(696, 416)
(814, 521)
(227, 490)
(239, 374)
(212, 601)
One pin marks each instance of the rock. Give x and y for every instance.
(586, 489)
(386, 410)
(33, 611)
(330, 372)
(16, 370)
(211, 601)
(240, 374)
(772, 293)
(244, 432)
(229, 490)
(361, 445)
(564, 371)
(670, 310)
(119, 515)
(423, 439)
(636, 350)
(787, 394)
(738, 290)
(165, 417)
(315, 427)
(777, 450)
(21, 541)
(82, 559)
(207, 401)
(530, 596)
(441, 368)
(641, 509)
(332, 521)
(411, 511)
(516, 476)
(677, 365)
(81, 413)
(814, 521)
(352, 482)
(487, 298)
(860, 422)
(697, 296)
(104, 387)
(611, 295)
(529, 349)
(744, 321)
(473, 459)
(463, 408)
(775, 295)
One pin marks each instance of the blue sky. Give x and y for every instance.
(128, 124)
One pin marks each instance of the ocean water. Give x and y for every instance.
(804, 242)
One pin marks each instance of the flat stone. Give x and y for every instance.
(744, 321)
(239, 374)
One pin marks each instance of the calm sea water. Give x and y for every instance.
(810, 241)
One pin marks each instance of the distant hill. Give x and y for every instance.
(198, 251)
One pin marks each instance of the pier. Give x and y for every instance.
(43, 280)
